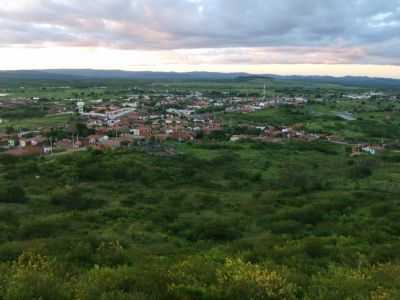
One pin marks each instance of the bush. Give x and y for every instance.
(362, 169)
(377, 282)
(121, 283)
(41, 227)
(306, 215)
(294, 176)
(12, 194)
(285, 226)
(315, 248)
(216, 230)
(240, 280)
(34, 277)
(232, 278)
(74, 199)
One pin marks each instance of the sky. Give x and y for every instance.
(307, 37)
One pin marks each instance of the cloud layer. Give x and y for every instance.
(214, 31)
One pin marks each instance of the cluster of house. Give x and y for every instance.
(138, 118)
(370, 149)
(364, 96)
(245, 105)
(197, 101)
(277, 134)
(30, 143)
(140, 122)
(113, 126)
(14, 103)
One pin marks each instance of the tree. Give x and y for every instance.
(10, 130)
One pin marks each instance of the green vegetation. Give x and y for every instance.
(217, 221)
(34, 123)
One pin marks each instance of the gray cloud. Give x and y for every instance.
(314, 31)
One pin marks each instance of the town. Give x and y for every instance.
(141, 118)
(114, 124)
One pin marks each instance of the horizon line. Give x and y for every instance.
(294, 74)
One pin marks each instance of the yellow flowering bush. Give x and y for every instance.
(380, 282)
(381, 294)
(192, 278)
(239, 280)
(34, 276)
(200, 278)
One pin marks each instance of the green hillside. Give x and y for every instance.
(213, 221)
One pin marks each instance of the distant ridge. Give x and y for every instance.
(86, 74)
(362, 81)
(109, 74)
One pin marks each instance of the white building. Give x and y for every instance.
(81, 107)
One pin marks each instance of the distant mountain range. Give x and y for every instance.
(82, 74)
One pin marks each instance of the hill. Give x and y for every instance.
(82, 74)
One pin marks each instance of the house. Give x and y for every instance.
(145, 131)
(369, 150)
(47, 149)
(12, 142)
(235, 138)
(182, 135)
(64, 144)
(3, 142)
(104, 139)
(23, 143)
(135, 131)
(94, 139)
(27, 151)
(356, 150)
(37, 141)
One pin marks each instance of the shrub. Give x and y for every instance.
(362, 169)
(205, 277)
(12, 194)
(217, 230)
(34, 276)
(74, 199)
(121, 283)
(110, 253)
(285, 226)
(239, 280)
(315, 248)
(376, 282)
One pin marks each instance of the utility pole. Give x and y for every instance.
(51, 145)
(265, 91)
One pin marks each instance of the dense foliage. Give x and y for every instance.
(215, 221)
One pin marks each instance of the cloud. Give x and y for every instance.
(223, 31)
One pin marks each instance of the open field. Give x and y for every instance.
(34, 123)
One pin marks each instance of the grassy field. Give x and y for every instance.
(36, 123)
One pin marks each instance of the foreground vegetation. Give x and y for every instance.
(215, 221)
